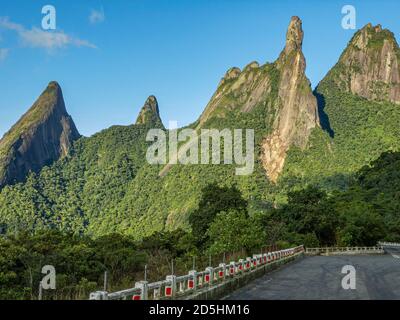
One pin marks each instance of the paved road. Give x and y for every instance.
(319, 277)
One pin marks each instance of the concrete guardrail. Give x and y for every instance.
(344, 250)
(389, 244)
(211, 282)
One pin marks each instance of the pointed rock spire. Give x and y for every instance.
(298, 112)
(282, 88)
(149, 114)
(42, 135)
(294, 35)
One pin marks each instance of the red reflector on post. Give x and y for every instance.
(207, 278)
(248, 265)
(191, 284)
(221, 274)
(168, 291)
(240, 267)
(232, 270)
(136, 298)
(255, 263)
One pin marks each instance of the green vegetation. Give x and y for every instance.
(79, 262)
(377, 38)
(362, 215)
(214, 200)
(83, 188)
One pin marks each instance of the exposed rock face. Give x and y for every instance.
(370, 65)
(149, 113)
(297, 114)
(44, 134)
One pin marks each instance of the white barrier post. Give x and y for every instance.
(171, 289)
(210, 275)
(99, 295)
(144, 290)
(192, 282)
(248, 263)
(232, 268)
(222, 272)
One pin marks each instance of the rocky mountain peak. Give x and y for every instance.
(370, 65)
(149, 114)
(232, 73)
(283, 89)
(42, 135)
(294, 35)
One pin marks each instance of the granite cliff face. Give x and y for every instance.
(44, 134)
(297, 113)
(239, 90)
(370, 65)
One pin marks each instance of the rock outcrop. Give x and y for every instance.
(239, 90)
(370, 65)
(149, 114)
(44, 134)
(282, 90)
(297, 112)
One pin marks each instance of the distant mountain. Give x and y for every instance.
(370, 66)
(44, 134)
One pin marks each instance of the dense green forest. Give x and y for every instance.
(222, 226)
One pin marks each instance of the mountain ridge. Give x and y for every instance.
(107, 186)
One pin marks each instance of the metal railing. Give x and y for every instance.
(177, 286)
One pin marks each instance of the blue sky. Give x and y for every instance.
(113, 54)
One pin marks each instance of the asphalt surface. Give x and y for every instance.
(320, 278)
